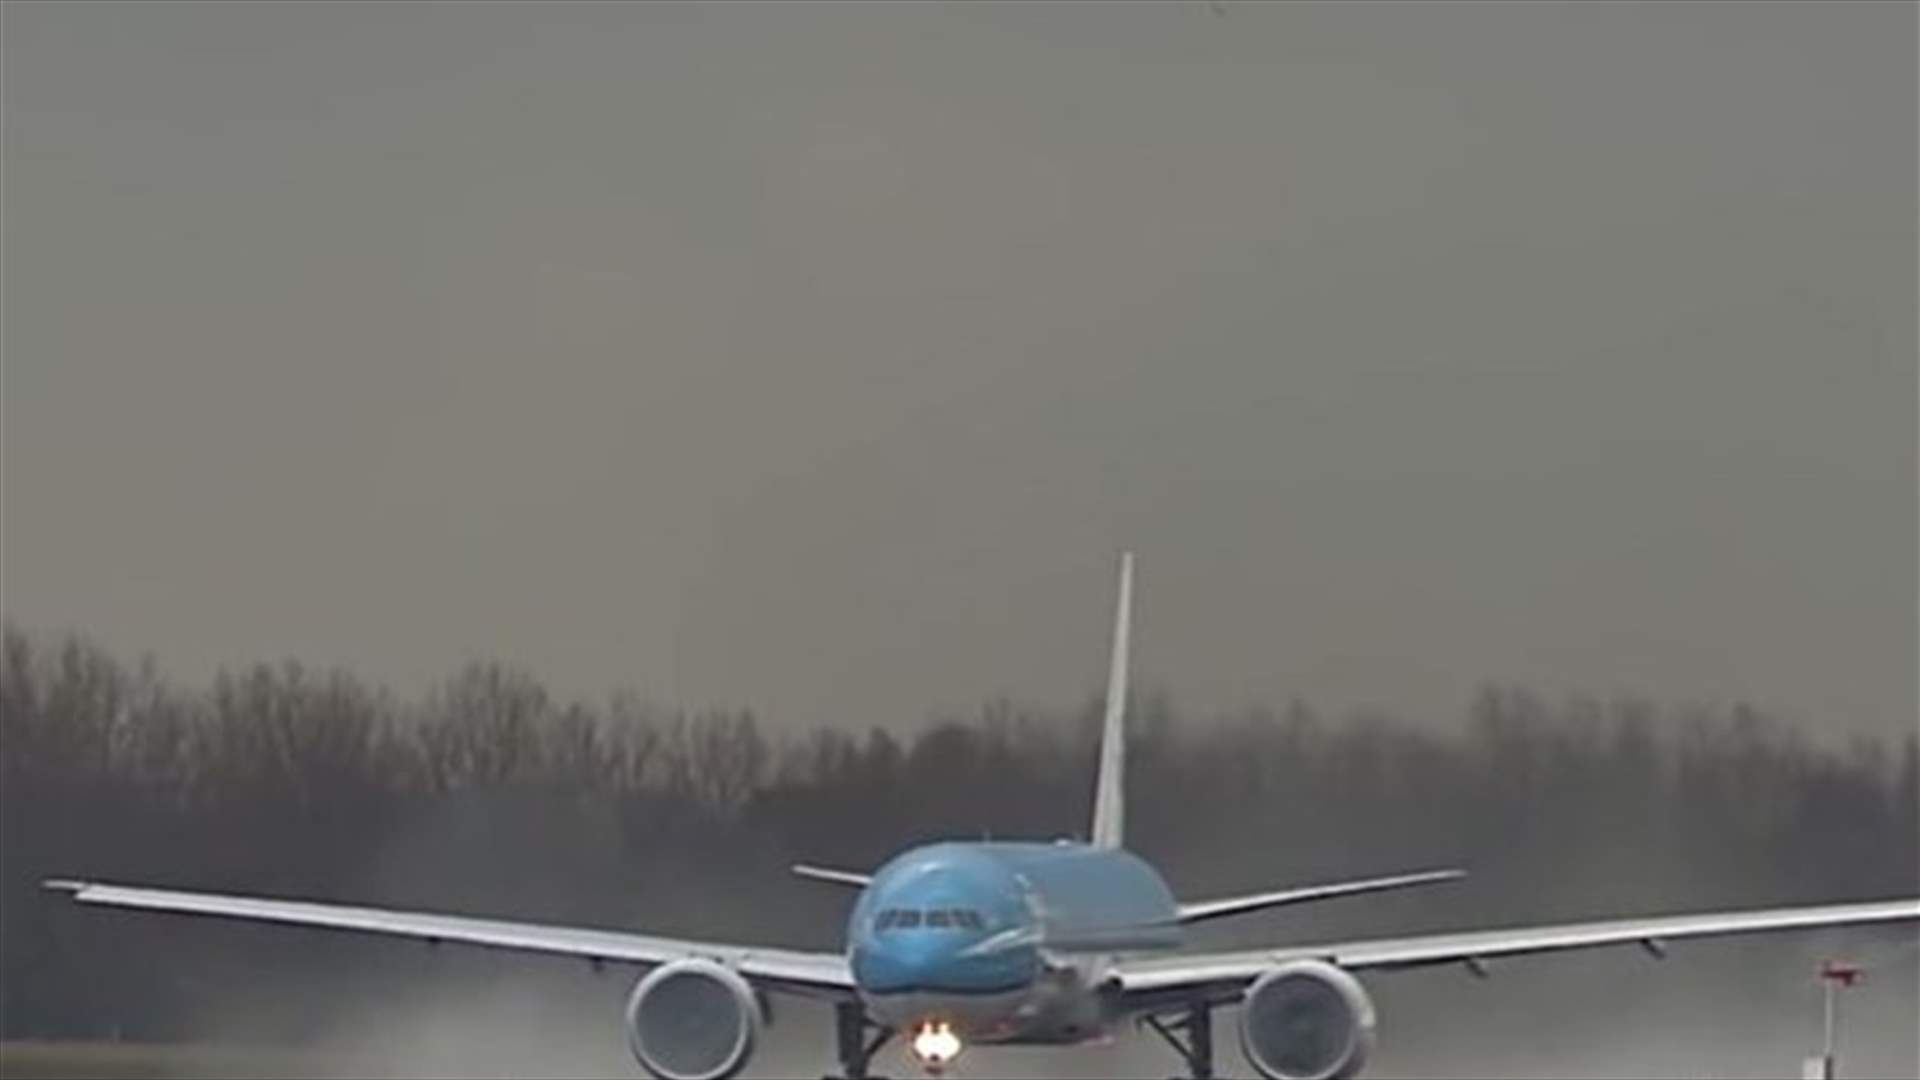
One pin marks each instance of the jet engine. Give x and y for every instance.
(1306, 1020)
(693, 1019)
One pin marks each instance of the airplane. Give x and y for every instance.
(1033, 943)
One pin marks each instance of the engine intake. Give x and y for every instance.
(1306, 1020)
(693, 1020)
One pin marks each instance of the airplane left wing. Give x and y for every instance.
(1148, 981)
(814, 974)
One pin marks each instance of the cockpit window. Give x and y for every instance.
(935, 918)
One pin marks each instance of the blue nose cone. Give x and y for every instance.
(907, 960)
(920, 926)
(933, 961)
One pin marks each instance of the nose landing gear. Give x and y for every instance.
(855, 1048)
(1196, 1049)
(935, 1045)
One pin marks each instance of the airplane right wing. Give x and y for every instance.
(1148, 982)
(814, 974)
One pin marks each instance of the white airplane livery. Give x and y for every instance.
(1016, 943)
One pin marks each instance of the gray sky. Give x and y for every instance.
(821, 358)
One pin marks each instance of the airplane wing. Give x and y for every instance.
(814, 974)
(1147, 982)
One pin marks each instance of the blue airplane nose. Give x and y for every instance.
(922, 927)
(938, 962)
(908, 961)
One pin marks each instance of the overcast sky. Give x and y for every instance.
(821, 359)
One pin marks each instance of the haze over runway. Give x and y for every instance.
(810, 359)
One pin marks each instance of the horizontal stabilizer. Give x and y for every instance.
(1234, 905)
(837, 877)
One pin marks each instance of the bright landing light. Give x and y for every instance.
(935, 1044)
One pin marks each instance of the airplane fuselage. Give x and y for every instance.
(1004, 942)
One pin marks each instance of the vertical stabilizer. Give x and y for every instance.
(1110, 790)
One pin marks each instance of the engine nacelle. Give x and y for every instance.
(693, 1019)
(1306, 1020)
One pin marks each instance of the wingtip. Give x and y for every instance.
(65, 885)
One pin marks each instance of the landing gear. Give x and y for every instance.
(1196, 1049)
(855, 1048)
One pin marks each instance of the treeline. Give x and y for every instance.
(491, 795)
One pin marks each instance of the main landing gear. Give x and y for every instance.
(855, 1048)
(1196, 1049)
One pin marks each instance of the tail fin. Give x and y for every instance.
(1110, 789)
